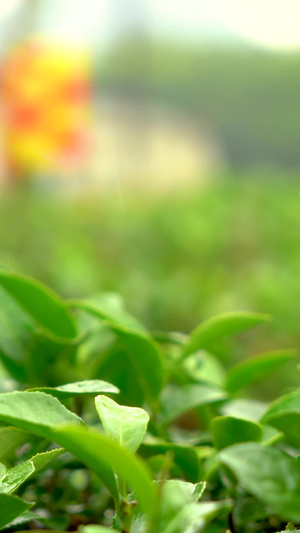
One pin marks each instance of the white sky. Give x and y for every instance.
(272, 23)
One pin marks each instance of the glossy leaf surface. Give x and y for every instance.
(126, 425)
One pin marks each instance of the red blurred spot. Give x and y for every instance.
(76, 90)
(25, 117)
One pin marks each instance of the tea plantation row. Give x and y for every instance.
(105, 426)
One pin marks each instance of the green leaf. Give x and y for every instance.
(40, 303)
(43, 530)
(11, 507)
(42, 460)
(174, 495)
(98, 451)
(106, 309)
(22, 519)
(228, 430)
(203, 367)
(269, 474)
(143, 353)
(256, 368)
(3, 471)
(284, 415)
(177, 400)
(145, 358)
(126, 425)
(184, 456)
(10, 439)
(243, 408)
(194, 516)
(15, 333)
(34, 411)
(44, 354)
(15, 327)
(16, 476)
(114, 365)
(42, 414)
(221, 326)
(93, 386)
(91, 528)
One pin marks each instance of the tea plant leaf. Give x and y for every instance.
(15, 326)
(42, 414)
(40, 303)
(204, 367)
(91, 528)
(175, 495)
(11, 507)
(98, 451)
(284, 415)
(145, 358)
(244, 408)
(22, 519)
(15, 476)
(184, 456)
(44, 354)
(228, 430)
(34, 411)
(126, 425)
(35, 516)
(256, 368)
(143, 353)
(93, 386)
(194, 516)
(10, 439)
(177, 400)
(221, 326)
(42, 460)
(3, 471)
(269, 474)
(103, 309)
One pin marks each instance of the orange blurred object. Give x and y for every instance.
(45, 92)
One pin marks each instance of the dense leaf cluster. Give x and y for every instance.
(179, 448)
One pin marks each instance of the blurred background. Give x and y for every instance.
(151, 148)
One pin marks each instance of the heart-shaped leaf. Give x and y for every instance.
(126, 425)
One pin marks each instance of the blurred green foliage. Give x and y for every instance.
(175, 260)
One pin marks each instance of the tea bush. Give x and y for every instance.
(106, 426)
